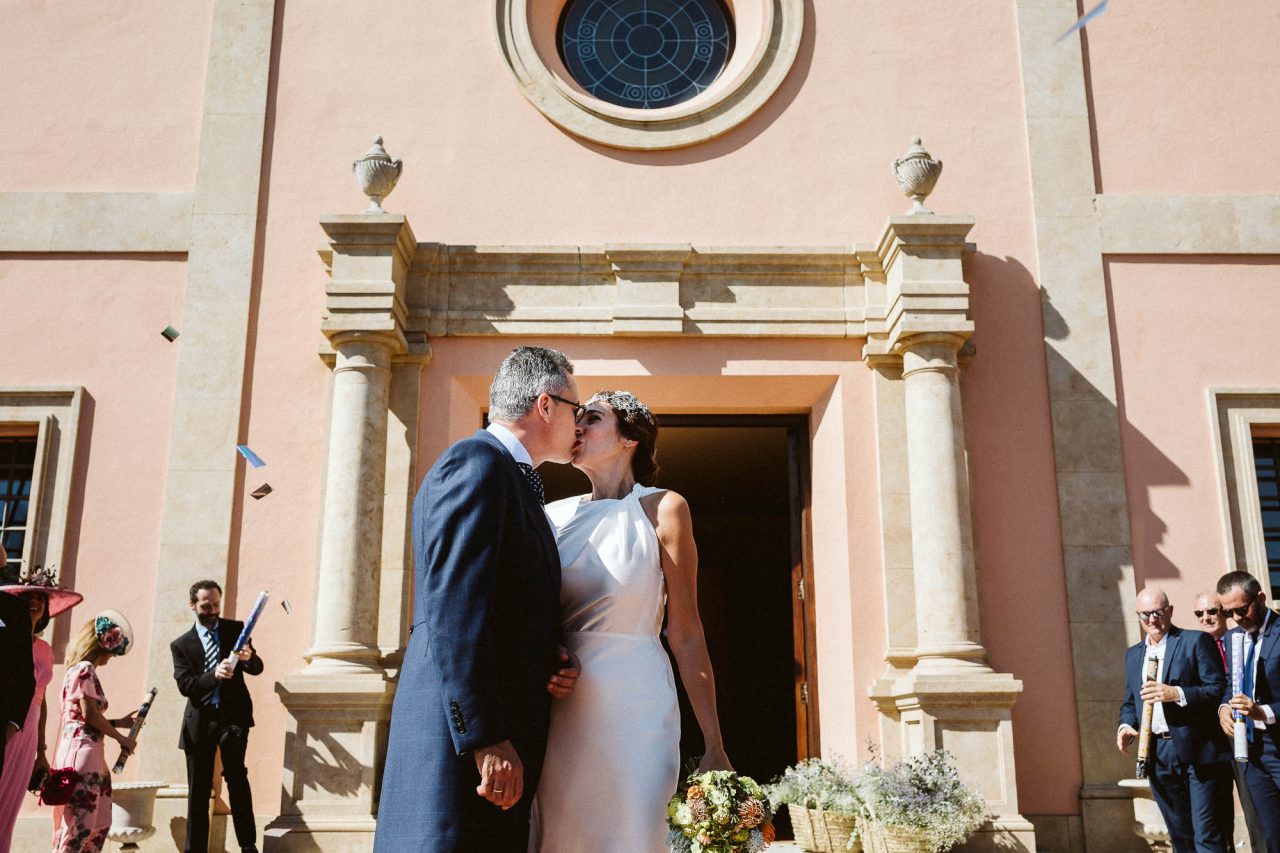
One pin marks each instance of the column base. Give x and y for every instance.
(334, 748)
(966, 711)
(308, 835)
(1002, 835)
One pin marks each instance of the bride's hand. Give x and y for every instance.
(563, 680)
(715, 759)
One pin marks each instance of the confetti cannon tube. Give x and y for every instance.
(1148, 708)
(249, 624)
(138, 723)
(1241, 730)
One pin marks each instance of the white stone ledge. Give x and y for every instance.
(95, 222)
(1189, 224)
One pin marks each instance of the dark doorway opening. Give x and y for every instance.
(746, 480)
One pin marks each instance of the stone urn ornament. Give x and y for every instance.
(376, 175)
(132, 809)
(917, 172)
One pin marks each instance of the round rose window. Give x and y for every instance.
(645, 53)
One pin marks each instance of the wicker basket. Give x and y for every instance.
(822, 832)
(883, 838)
(802, 825)
(839, 828)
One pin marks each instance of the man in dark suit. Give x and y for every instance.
(1242, 598)
(469, 724)
(17, 670)
(1189, 760)
(218, 717)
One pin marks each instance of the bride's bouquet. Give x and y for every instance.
(719, 812)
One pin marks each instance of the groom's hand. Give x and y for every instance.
(501, 774)
(562, 682)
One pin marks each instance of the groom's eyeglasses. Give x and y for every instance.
(578, 409)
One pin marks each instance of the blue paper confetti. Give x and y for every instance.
(1078, 25)
(251, 457)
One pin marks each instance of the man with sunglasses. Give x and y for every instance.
(1243, 600)
(1212, 620)
(1189, 760)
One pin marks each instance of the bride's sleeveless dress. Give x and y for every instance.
(613, 755)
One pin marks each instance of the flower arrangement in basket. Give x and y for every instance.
(822, 799)
(719, 812)
(917, 804)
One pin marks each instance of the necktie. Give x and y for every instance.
(211, 655)
(534, 481)
(1222, 651)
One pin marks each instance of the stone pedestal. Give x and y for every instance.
(340, 703)
(949, 698)
(1148, 822)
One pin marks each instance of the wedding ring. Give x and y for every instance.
(498, 790)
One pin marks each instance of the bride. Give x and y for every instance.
(613, 754)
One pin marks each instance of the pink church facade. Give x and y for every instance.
(985, 427)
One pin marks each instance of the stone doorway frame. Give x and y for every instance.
(904, 299)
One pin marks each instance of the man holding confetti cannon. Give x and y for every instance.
(209, 664)
(1188, 759)
(1253, 699)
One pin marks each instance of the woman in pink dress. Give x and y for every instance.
(26, 750)
(81, 825)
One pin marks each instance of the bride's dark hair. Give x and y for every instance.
(635, 422)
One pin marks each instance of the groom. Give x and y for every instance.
(469, 724)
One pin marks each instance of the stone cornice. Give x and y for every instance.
(908, 283)
(640, 289)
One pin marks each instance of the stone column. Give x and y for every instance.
(340, 702)
(346, 614)
(941, 532)
(949, 698)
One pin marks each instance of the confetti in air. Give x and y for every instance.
(1079, 25)
(251, 457)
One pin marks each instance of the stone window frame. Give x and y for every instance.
(1237, 416)
(54, 413)
(768, 34)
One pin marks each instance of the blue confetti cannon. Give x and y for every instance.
(249, 624)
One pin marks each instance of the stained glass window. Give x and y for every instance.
(645, 53)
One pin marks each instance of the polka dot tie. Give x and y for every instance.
(534, 480)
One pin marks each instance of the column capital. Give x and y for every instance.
(368, 256)
(925, 292)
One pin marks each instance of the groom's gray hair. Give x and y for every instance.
(524, 375)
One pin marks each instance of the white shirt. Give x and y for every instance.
(1253, 676)
(511, 443)
(1159, 725)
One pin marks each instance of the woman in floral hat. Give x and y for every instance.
(27, 748)
(81, 825)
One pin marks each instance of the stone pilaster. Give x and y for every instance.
(340, 703)
(950, 698)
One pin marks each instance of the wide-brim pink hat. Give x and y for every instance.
(60, 600)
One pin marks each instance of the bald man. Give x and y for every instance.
(1188, 764)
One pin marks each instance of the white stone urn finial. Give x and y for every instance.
(917, 172)
(376, 175)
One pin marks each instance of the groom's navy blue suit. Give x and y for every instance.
(1189, 770)
(483, 646)
(1262, 773)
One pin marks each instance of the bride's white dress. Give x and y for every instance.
(613, 754)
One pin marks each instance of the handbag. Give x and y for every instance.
(59, 786)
